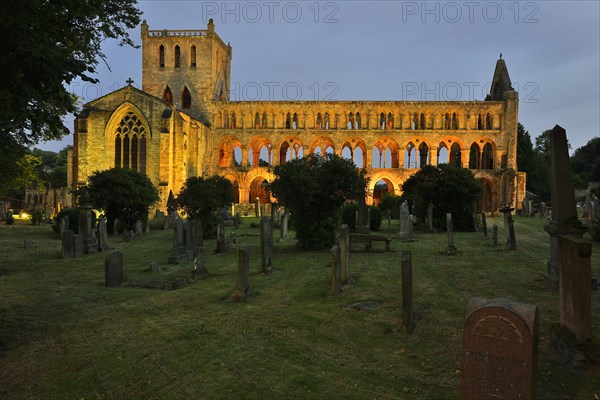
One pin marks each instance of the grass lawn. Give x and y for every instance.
(63, 335)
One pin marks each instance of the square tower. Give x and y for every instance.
(187, 68)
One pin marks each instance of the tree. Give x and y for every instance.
(201, 198)
(313, 189)
(122, 193)
(525, 152)
(450, 189)
(51, 44)
(586, 161)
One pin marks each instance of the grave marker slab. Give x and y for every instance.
(266, 245)
(495, 235)
(509, 228)
(113, 268)
(500, 340)
(344, 247)
(404, 222)
(451, 250)
(199, 271)
(242, 286)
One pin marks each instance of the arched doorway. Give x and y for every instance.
(258, 188)
(382, 188)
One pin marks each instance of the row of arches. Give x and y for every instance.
(177, 59)
(185, 97)
(384, 153)
(228, 119)
(257, 188)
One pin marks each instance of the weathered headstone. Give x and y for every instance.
(451, 250)
(266, 245)
(68, 243)
(509, 228)
(362, 222)
(85, 224)
(495, 235)
(197, 239)
(137, 229)
(116, 226)
(564, 209)
(500, 340)
(407, 298)
(411, 228)
(263, 212)
(188, 244)
(543, 210)
(335, 285)
(113, 268)
(257, 207)
(484, 225)
(404, 222)
(344, 248)
(430, 218)
(79, 245)
(102, 234)
(154, 266)
(61, 226)
(284, 225)
(199, 271)
(242, 286)
(222, 242)
(575, 260)
(530, 208)
(178, 253)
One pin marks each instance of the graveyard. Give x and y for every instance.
(166, 334)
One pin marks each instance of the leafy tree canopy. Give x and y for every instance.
(450, 189)
(314, 188)
(122, 193)
(586, 161)
(48, 44)
(202, 197)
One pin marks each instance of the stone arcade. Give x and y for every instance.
(183, 124)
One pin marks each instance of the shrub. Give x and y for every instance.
(391, 204)
(73, 214)
(349, 216)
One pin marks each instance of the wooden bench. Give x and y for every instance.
(368, 239)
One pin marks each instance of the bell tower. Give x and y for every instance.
(187, 68)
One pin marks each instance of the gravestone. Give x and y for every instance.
(197, 240)
(451, 250)
(68, 243)
(222, 242)
(407, 290)
(263, 213)
(500, 341)
(362, 221)
(575, 293)
(79, 245)
(344, 248)
(102, 234)
(411, 228)
(284, 225)
(138, 228)
(530, 208)
(335, 285)
(509, 228)
(199, 271)
(495, 235)
(61, 226)
(404, 222)
(178, 253)
(484, 225)
(564, 209)
(188, 244)
(266, 245)
(242, 286)
(274, 220)
(85, 224)
(542, 209)
(430, 218)
(154, 267)
(113, 268)
(116, 224)
(257, 207)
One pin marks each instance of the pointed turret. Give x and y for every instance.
(501, 81)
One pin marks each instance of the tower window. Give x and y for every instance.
(193, 56)
(177, 57)
(161, 52)
(186, 98)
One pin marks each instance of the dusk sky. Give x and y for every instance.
(392, 50)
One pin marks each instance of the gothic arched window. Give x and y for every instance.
(130, 143)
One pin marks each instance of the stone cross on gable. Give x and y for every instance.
(129, 81)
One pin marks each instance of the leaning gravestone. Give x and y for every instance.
(500, 340)
(407, 290)
(451, 250)
(113, 268)
(266, 245)
(404, 222)
(242, 286)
